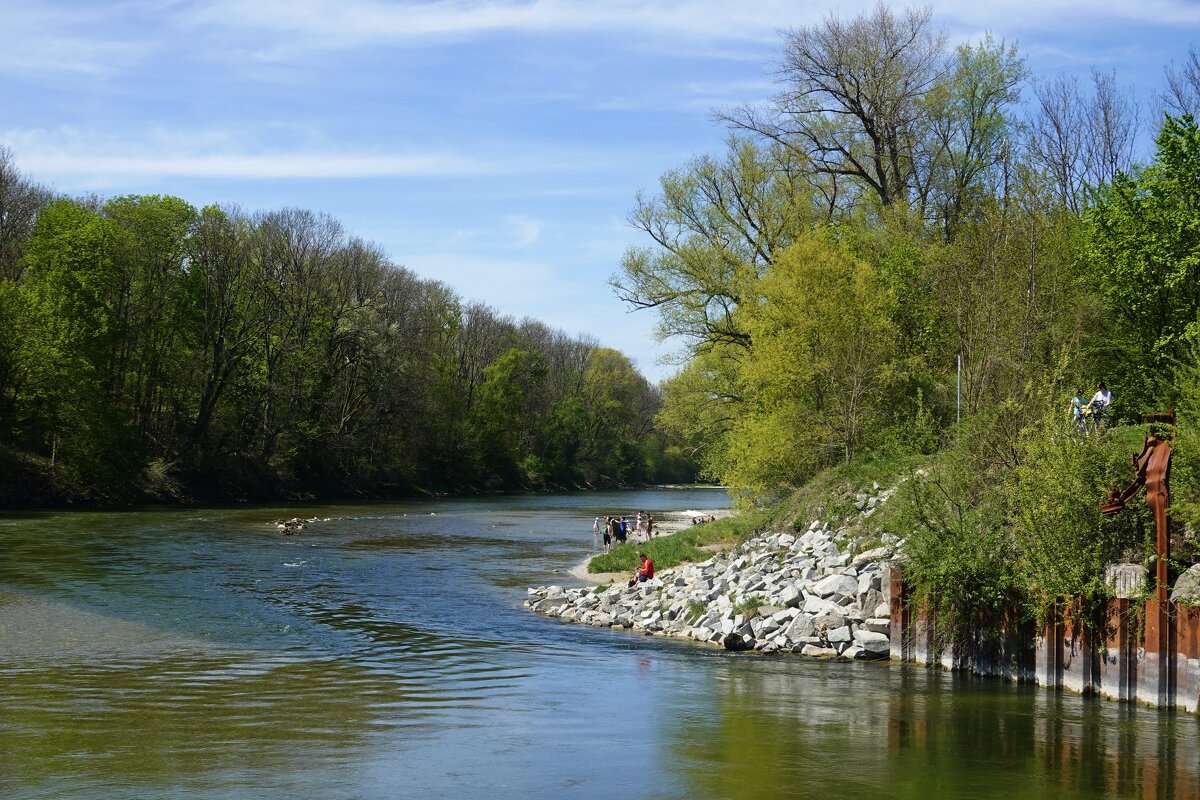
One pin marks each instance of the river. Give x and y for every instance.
(193, 653)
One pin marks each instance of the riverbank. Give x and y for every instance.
(666, 525)
(817, 593)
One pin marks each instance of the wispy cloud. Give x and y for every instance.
(338, 24)
(91, 162)
(90, 157)
(1066, 15)
(525, 229)
(41, 40)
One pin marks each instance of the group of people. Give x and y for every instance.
(1088, 414)
(619, 529)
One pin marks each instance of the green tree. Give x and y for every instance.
(1143, 253)
(506, 429)
(717, 226)
(815, 383)
(68, 290)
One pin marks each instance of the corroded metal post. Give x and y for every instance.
(1157, 678)
(1153, 470)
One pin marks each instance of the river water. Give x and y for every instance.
(385, 654)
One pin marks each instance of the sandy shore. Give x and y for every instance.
(668, 524)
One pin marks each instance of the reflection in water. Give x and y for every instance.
(197, 654)
(906, 732)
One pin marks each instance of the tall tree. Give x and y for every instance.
(20, 201)
(853, 98)
(716, 226)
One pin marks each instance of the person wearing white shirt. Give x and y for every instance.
(1099, 404)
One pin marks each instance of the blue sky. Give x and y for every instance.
(496, 146)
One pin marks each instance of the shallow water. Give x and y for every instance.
(385, 653)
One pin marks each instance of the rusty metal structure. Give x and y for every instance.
(1152, 469)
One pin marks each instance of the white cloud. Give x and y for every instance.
(338, 24)
(40, 41)
(91, 157)
(244, 165)
(1066, 15)
(525, 230)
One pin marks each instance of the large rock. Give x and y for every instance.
(828, 621)
(841, 634)
(735, 641)
(835, 584)
(871, 600)
(815, 605)
(551, 605)
(800, 627)
(868, 637)
(879, 625)
(790, 597)
(871, 556)
(874, 643)
(1187, 586)
(818, 652)
(1128, 580)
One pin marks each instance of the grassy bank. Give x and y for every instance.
(681, 547)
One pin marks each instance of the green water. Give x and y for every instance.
(385, 654)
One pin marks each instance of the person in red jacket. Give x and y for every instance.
(643, 573)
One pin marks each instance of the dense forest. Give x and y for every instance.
(153, 351)
(902, 207)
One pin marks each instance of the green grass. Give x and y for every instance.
(828, 496)
(681, 547)
(749, 606)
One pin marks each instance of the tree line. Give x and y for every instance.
(902, 207)
(151, 350)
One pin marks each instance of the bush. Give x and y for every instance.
(1009, 518)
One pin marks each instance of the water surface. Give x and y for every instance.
(385, 654)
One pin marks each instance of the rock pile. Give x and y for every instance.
(290, 527)
(775, 593)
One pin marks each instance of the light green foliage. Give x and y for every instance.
(699, 403)
(1185, 465)
(1144, 256)
(70, 311)
(814, 382)
(716, 225)
(617, 406)
(1010, 518)
(961, 561)
(1063, 542)
(971, 129)
(500, 410)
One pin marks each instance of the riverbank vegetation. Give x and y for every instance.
(682, 546)
(150, 350)
(914, 256)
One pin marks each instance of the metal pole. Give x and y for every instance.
(958, 392)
